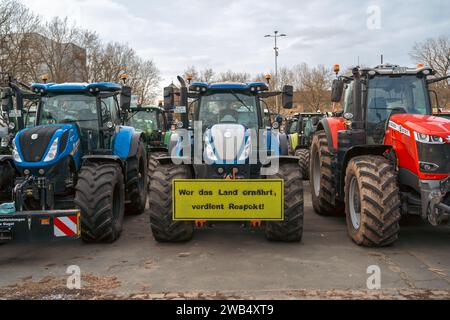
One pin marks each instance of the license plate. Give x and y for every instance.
(228, 200)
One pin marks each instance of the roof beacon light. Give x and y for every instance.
(336, 68)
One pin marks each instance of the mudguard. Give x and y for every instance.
(331, 126)
(126, 142)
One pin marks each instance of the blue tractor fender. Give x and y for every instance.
(277, 143)
(126, 142)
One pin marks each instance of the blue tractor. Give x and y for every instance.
(79, 170)
(225, 124)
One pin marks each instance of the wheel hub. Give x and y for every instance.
(316, 174)
(355, 204)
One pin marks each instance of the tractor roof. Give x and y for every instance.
(389, 69)
(252, 86)
(77, 87)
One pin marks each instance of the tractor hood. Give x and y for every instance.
(425, 124)
(227, 143)
(44, 145)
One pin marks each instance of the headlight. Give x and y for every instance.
(425, 138)
(247, 150)
(15, 153)
(51, 154)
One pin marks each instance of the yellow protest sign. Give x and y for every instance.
(228, 200)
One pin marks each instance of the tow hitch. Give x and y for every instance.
(438, 210)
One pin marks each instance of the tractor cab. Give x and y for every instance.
(18, 103)
(230, 113)
(92, 109)
(385, 90)
(300, 129)
(150, 120)
(234, 104)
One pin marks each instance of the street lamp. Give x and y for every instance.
(276, 35)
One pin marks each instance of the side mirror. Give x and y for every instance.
(125, 98)
(288, 97)
(169, 97)
(337, 90)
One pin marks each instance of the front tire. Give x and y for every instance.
(372, 201)
(321, 175)
(100, 196)
(137, 186)
(304, 161)
(153, 163)
(164, 228)
(291, 229)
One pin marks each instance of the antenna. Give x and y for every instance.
(358, 62)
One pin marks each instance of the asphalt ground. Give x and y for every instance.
(233, 263)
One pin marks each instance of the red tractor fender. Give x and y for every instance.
(332, 126)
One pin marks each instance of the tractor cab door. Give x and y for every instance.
(110, 118)
(30, 113)
(162, 125)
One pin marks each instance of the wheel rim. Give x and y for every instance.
(355, 203)
(316, 173)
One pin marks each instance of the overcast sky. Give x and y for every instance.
(229, 34)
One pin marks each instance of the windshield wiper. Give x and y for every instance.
(240, 100)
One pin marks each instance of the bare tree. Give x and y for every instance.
(144, 78)
(231, 76)
(312, 86)
(436, 54)
(17, 22)
(58, 45)
(206, 75)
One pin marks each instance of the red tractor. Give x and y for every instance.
(384, 156)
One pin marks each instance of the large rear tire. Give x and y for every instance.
(304, 155)
(372, 201)
(100, 196)
(291, 229)
(321, 175)
(137, 186)
(164, 228)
